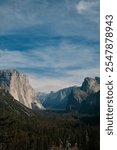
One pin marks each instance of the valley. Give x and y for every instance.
(25, 128)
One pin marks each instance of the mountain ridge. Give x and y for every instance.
(67, 99)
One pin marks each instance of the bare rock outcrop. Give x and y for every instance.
(91, 85)
(17, 84)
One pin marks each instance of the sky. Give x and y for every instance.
(55, 42)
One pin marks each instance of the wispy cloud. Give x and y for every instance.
(49, 18)
(63, 56)
(89, 9)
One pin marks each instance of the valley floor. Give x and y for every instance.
(22, 129)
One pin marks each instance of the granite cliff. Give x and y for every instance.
(17, 84)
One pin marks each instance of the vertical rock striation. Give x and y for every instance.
(91, 85)
(17, 85)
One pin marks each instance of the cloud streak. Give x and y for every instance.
(63, 56)
(89, 9)
(49, 18)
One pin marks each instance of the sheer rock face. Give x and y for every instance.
(91, 85)
(57, 100)
(17, 85)
(79, 95)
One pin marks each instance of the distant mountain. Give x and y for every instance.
(89, 104)
(91, 85)
(41, 96)
(85, 99)
(55, 100)
(74, 98)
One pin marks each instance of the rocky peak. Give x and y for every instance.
(97, 79)
(91, 85)
(17, 84)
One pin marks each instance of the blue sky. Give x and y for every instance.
(55, 42)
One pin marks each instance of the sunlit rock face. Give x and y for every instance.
(17, 84)
(91, 85)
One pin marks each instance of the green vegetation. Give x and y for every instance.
(22, 129)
